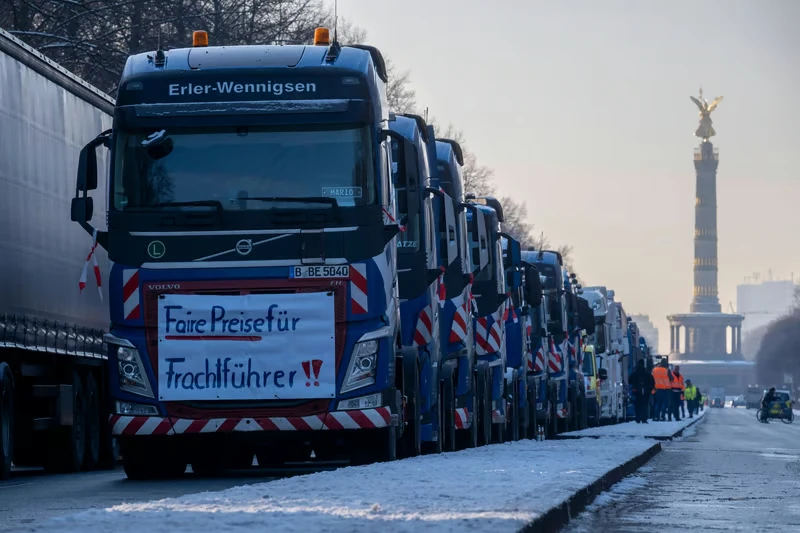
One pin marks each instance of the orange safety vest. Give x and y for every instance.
(677, 384)
(662, 378)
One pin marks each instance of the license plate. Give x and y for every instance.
(338, 271)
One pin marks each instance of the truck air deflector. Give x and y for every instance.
(224, 57)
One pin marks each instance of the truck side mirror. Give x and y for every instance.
(602, 374)
(82, 207)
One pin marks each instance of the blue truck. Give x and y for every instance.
(457, 315)
(254, 290)
(484, 217)
(517, 342)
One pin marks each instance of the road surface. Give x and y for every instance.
(32, 497)
(733, 474)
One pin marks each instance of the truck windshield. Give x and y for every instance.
(549, 272)
(329, 167)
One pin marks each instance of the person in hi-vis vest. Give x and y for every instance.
(662, 376)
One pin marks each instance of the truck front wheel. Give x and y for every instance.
(6, 421)
(67, 446)
(143, 460)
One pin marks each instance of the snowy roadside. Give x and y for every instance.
(653, 430)
(496, 488)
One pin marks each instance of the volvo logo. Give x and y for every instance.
(156, 249)
(244, 247)
(164, 287)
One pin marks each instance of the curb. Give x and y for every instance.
(558, 517)
(654, 437)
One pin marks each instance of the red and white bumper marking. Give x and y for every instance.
(462, 418)
(359, 303)
(131, 306)
(424, 332)
(336, 420)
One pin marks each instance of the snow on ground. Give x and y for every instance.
(495, 489)
(632, 429)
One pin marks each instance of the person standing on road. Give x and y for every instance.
(691, 397)
(677, 391)
(661, 377)
(699, 401)
(642, 383)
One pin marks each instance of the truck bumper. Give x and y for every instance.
(129, 426)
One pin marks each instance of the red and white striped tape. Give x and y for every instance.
(554, 358)
(458, 331)
(335, 420)
(359, 303)
(388, 218)
(131, 305)
(539, 361)
(91, 258)
(488, 339)
(424, 331)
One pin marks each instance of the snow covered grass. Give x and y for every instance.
(495, 489)
(659, 430)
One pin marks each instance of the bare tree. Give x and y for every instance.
(777, 355)
(401, 97)
(516, 222)
(93, 38)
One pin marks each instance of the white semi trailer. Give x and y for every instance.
(52, 355)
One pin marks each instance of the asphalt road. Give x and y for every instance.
(31, 497)
(733, 474)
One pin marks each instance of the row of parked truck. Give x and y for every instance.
(291, 272)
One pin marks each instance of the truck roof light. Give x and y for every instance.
(199, 38)
(322, 37)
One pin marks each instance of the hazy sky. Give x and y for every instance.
(582, 109)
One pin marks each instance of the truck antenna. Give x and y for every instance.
(336, 21)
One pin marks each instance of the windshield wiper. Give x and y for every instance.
(201, 203)
(277, 199)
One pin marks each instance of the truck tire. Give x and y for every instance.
(447, 398)
(438, 446)
(411, 440)
(6, 421)
(552, 426)
(67, 446)
(93, 424)
(143, 461)
(524, 408)
(484, 396)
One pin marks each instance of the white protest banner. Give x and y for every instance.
(251, 347)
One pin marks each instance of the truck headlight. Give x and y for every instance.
(363, 366)
(132, 376)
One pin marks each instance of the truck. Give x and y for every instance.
(716, 397)
(254, 295)
(53, 379)
(543, 360)
(517, 342)
(484, 216)
(472, 416)
(422, 258)
(573, 352)
(752, 397)
(561, 376)
(608, 350)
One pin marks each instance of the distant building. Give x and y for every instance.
(761, 304)
(647, 330)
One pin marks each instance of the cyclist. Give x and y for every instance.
(766, 404)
